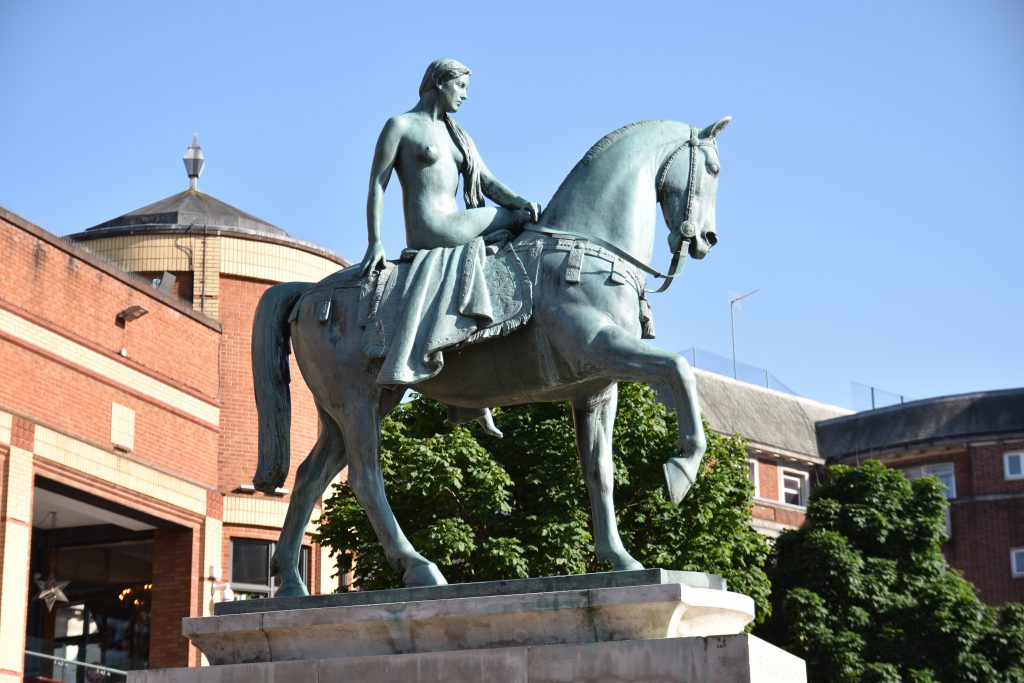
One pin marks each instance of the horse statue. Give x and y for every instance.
(585, 335)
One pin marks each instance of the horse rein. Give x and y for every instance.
(687, 231)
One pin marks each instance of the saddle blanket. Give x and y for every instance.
(439, 299)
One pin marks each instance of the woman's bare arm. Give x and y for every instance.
(384, 157)
(501, 195)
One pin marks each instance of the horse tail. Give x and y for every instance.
(271, 336)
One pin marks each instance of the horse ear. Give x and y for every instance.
(716, 127)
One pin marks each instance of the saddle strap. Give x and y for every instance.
(674, 268)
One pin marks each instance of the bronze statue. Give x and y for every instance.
(429, 150)
(578, 333)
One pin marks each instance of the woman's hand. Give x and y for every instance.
(532, 208)
(374, 257)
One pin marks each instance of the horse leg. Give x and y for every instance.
(625, 357)
(361, 427)
(594, 417)
(324, 462)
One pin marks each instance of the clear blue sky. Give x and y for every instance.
(872, 182)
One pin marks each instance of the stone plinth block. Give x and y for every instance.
(719, 659)
(669, 610)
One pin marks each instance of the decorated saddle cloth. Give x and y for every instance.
(437, 299)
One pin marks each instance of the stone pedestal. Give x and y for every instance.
(649, 625)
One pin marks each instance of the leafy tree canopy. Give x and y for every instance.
(863, 593)
(485, 508)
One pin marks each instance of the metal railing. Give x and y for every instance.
(871, 398)
(67, 670)
(720, 365)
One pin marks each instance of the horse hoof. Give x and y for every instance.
(678, 479)
(625, 564)
(424, 575)
(291, 590)
(628, 565)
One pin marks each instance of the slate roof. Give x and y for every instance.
(190, 207)
(763, 416)
(963, 417)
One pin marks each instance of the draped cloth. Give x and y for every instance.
(439, 299)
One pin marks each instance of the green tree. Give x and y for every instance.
(863, 593)
(485, 508)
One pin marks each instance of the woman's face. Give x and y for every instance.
(453, 92)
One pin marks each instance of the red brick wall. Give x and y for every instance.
(176, 595)
(986, 518)
(63, 287)
(71, 294)
(983, 533)
(78, 403)
(767, 480)
(238, 440)
(768, 490)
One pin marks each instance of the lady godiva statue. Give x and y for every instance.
(429, 149)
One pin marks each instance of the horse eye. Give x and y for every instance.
(713, 168)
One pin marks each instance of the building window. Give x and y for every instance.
(794, 487)
(752, 474)
(1013, 464)
(251, 574)
(943, 471)
(1017, 562)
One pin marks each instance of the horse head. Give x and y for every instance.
(687, 186)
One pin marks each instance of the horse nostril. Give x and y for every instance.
(711, 237)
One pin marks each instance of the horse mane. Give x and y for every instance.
(592, 159)
(609, 139)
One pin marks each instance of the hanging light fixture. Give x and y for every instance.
(51, 591)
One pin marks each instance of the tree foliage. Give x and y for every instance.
(485, 508)
(864, 594)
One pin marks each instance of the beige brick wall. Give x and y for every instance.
(253, 510)
(274, 262)
(119, 470)
(209, 257)
(15, 542)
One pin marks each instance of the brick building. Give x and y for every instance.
(974, 444)
(784, 459)
(128, 429)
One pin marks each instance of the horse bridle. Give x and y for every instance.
(686, 231)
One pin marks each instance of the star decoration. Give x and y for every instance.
(51, 591)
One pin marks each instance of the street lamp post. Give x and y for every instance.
(732, 321)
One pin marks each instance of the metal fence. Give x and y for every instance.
(43, 668)
(866, 397)
(720, 365)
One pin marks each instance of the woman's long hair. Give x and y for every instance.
(441, 71)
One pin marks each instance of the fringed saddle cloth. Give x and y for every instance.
(436, 299)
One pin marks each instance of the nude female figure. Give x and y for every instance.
(429, 151)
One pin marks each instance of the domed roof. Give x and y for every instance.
(189, 208)
(194, 210)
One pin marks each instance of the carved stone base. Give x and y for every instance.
(648, 625)
(719, 659)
